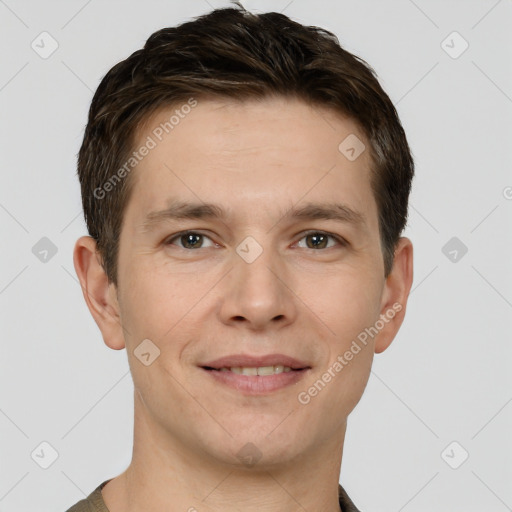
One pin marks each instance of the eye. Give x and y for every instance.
(320, 240)
(190, 240)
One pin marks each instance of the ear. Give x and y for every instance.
(395, 294)
(99, 294)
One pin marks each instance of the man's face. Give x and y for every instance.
(255, 282)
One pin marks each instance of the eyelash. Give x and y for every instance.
(342, 242)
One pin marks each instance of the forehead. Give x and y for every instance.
(251, 155)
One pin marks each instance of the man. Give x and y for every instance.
(245, 183)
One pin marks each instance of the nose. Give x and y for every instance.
(258, 295)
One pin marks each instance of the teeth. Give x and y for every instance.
(265, 370)
(262, 370)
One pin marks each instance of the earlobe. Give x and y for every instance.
(395, 295)
(98, 293)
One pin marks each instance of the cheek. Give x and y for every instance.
(154, 303)
(337, 387)
(142, 305)
(158, 308)
(345, 302)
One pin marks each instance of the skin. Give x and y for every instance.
(256, 159)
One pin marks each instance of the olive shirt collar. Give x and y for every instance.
(94, 502)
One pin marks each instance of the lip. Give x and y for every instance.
(256, 384)
(237, 360)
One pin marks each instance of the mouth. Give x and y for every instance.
(279, 362)
(256, 375)
(261, 371)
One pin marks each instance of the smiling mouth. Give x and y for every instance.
(256, 380)
(261, 371)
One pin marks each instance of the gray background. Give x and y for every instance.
(445, 378)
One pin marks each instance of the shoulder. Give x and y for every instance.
(346, 504)
(84, 505)
(92, 503)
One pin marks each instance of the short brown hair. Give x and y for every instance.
(232, 53)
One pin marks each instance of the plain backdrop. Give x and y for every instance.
(432, 431)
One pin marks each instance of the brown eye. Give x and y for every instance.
(316, 241)
(320, 240)
(189, 240)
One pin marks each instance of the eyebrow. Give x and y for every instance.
(178, 210)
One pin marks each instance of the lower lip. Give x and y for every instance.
(256, 384)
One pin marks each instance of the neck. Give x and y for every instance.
(164, 473)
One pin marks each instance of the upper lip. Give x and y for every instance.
(241, 360)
